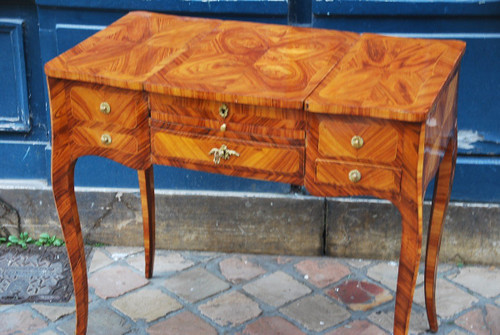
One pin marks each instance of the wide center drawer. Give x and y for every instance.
(269, 121)
(187, 149)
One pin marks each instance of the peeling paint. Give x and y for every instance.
(466, 139)
(26, 154)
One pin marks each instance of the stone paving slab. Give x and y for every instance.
(196, 284)
(277, 289)
(479, 279)
(231, 309)
(316, 312)
(194, 293)
(148, 304)
(111, 282)
(185, 323)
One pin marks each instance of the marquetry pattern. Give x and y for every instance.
(373, 177)
(249, 63)
(440, 125)
(63, 166)
(251, 119)
(261, 160)
(388, 77)
(127, 108)
(130, 50)
(130, 139)
(149, 89)
(381, 139)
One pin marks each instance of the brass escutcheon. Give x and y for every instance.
(354, 176)
(106, 139)
(105, 108)
(222, 152)
(357, 141)
(223, 111)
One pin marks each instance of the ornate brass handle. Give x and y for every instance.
(223, 111)
(106, 139)
(222, 152)
(105, 108)
(357, 141)
(354, 176)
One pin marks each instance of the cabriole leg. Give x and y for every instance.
(409, 261)
(64, 195)
(442, 190)
(146, 185)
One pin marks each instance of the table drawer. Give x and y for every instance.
(354, 138)
(236, 117)
(108, 105)
(97, 138)
(364, 176)
(190, 148)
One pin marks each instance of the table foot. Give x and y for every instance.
(146, 185)
(442, 190)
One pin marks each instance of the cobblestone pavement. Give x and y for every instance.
(214, 293)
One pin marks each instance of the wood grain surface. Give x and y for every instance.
(251, 63)
(381, 139)
(257, 159)
(293, 101)
(388, 77)
(130, 50)
(63, 169)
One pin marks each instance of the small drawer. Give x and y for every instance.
(190, 148)
(89, 137)
(237, 117)
(370, 177)
(364, 140)
(108, 105)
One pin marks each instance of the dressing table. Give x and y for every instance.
(343, 114)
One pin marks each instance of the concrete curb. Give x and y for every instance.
(261, 223)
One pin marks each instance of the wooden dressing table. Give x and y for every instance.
(341, 113)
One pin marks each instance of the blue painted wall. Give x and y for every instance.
(33, 32)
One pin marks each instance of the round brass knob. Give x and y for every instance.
(105, 108)
(223, 111)
(223, 127)
(357, 141)
(106, 139)
(354, 176)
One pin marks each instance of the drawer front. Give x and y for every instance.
(108, 105)
(364, 176)
(96, 138)
(364, 140)
(198, 149)
(235, 117)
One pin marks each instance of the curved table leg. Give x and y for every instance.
(146, 185)
(411, 242)
(442, 190)
(64, 195)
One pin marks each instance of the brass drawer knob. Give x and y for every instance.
(354, 176)
(222, 152)
(106, 139)
(223, 127)
(223, 111)
(105, 108)
(357, 141)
